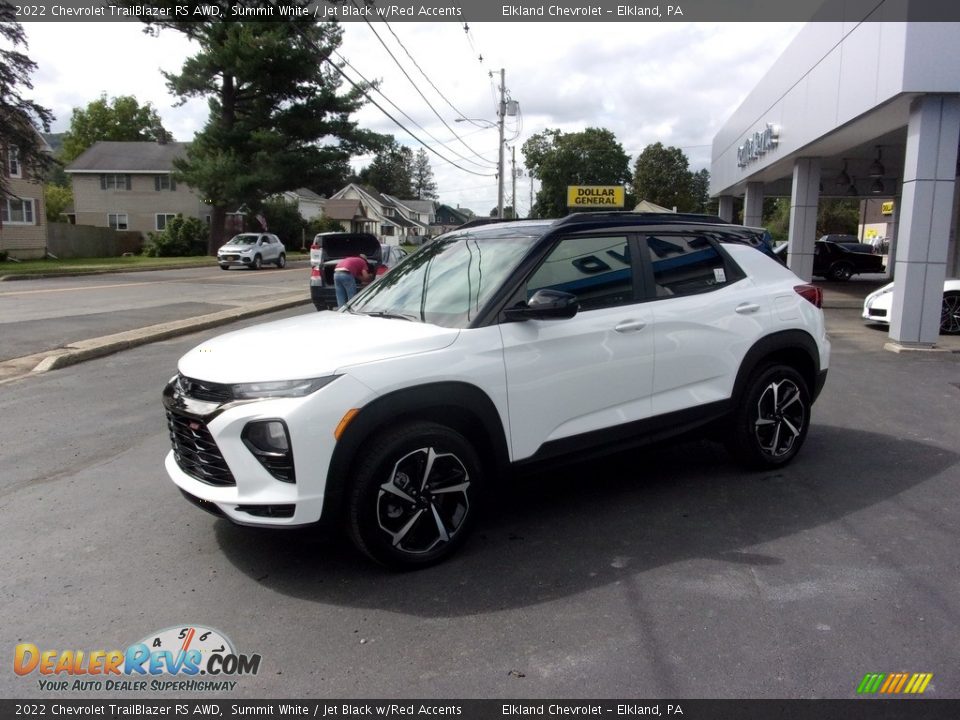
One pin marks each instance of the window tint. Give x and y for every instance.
(595, 269)
(685, 264)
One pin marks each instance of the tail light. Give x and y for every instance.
(810, 293)
(315, 272)
(315, 246)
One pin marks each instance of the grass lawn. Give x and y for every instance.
(111, 264)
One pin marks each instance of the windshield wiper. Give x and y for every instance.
(388, 315)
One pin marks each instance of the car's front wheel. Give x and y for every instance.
(414, 495)
(257, 262)
(224, 266)
(950, 314)
(772, 417)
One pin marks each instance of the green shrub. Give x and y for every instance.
(181, 237)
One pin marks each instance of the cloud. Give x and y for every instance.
(674, 83)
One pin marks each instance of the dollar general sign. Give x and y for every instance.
(595, 196)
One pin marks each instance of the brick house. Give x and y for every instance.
(130, 186)
(23, 221)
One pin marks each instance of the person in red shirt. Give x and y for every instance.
(347, 274)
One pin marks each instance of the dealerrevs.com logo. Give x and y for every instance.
(183, 658)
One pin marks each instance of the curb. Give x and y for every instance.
(83, 350)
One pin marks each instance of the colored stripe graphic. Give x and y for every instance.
(894, 683)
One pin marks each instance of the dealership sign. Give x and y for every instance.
(595, 196)
(758, 145)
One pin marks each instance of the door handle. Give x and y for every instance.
(746, 308)
(629, 326)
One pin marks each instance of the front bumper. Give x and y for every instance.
(877, 307)
(234, 259)
(249, 494)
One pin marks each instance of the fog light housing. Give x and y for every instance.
(269, 442)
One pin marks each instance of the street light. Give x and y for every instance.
(499, 126)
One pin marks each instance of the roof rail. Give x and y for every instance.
(639, 218)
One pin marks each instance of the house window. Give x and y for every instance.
(164, 182)
(163, 219)
(118, 221)
(386, 230)
(115, 181)
(13, 162)
(388, 212)
(17, 211)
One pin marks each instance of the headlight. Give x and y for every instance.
(280, 388)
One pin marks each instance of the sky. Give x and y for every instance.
(675, 83)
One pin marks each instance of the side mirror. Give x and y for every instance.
(545, 304)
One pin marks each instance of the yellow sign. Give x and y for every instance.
(887, 208)
(610, 196)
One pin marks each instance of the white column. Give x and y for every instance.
(804, 200)
(726, 207)
(929, 176)
(753, 205)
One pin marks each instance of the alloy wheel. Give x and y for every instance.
(950, 314)
(780, 419)
(424, 502)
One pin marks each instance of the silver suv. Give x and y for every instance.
(252, 250)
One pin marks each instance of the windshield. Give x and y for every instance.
(243, 240)
(446, 283)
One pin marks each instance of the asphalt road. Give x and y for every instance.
(43, 314)
(666, 573)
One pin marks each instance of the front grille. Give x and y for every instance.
(204, 390)
(196, 451)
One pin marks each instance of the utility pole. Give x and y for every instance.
(513, 179)
(502, 111)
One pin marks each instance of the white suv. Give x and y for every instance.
(489, 348)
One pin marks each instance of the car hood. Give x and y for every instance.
(309, 346)
(235, 248)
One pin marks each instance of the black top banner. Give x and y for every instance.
(492, 11)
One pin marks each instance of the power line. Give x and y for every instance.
(401, 111)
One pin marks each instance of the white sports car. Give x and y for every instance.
(878, 304)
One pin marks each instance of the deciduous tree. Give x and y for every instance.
(662, 176)
(119, 118)
(557, 159)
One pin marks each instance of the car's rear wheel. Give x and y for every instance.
(950, 314)
(257, 262)
(772, 417)
(841, 271)
(414, 495)
(282, 261)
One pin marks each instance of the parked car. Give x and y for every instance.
(252, 250)
(326, 251)
(850, 242)
(840, 261)
(390, 255)
(506, 345)
(877, 306)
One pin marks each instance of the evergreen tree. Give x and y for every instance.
(424, 187)
(20, 117)
(278, 118)
(391, 171)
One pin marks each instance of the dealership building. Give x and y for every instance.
(870, 110)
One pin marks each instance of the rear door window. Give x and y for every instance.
(687, 264)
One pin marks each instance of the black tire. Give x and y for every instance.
(282, 261)
(257, 263)
(224, 267)
(841, 271)
(404, 526)
(950, 314)
(771, 419)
